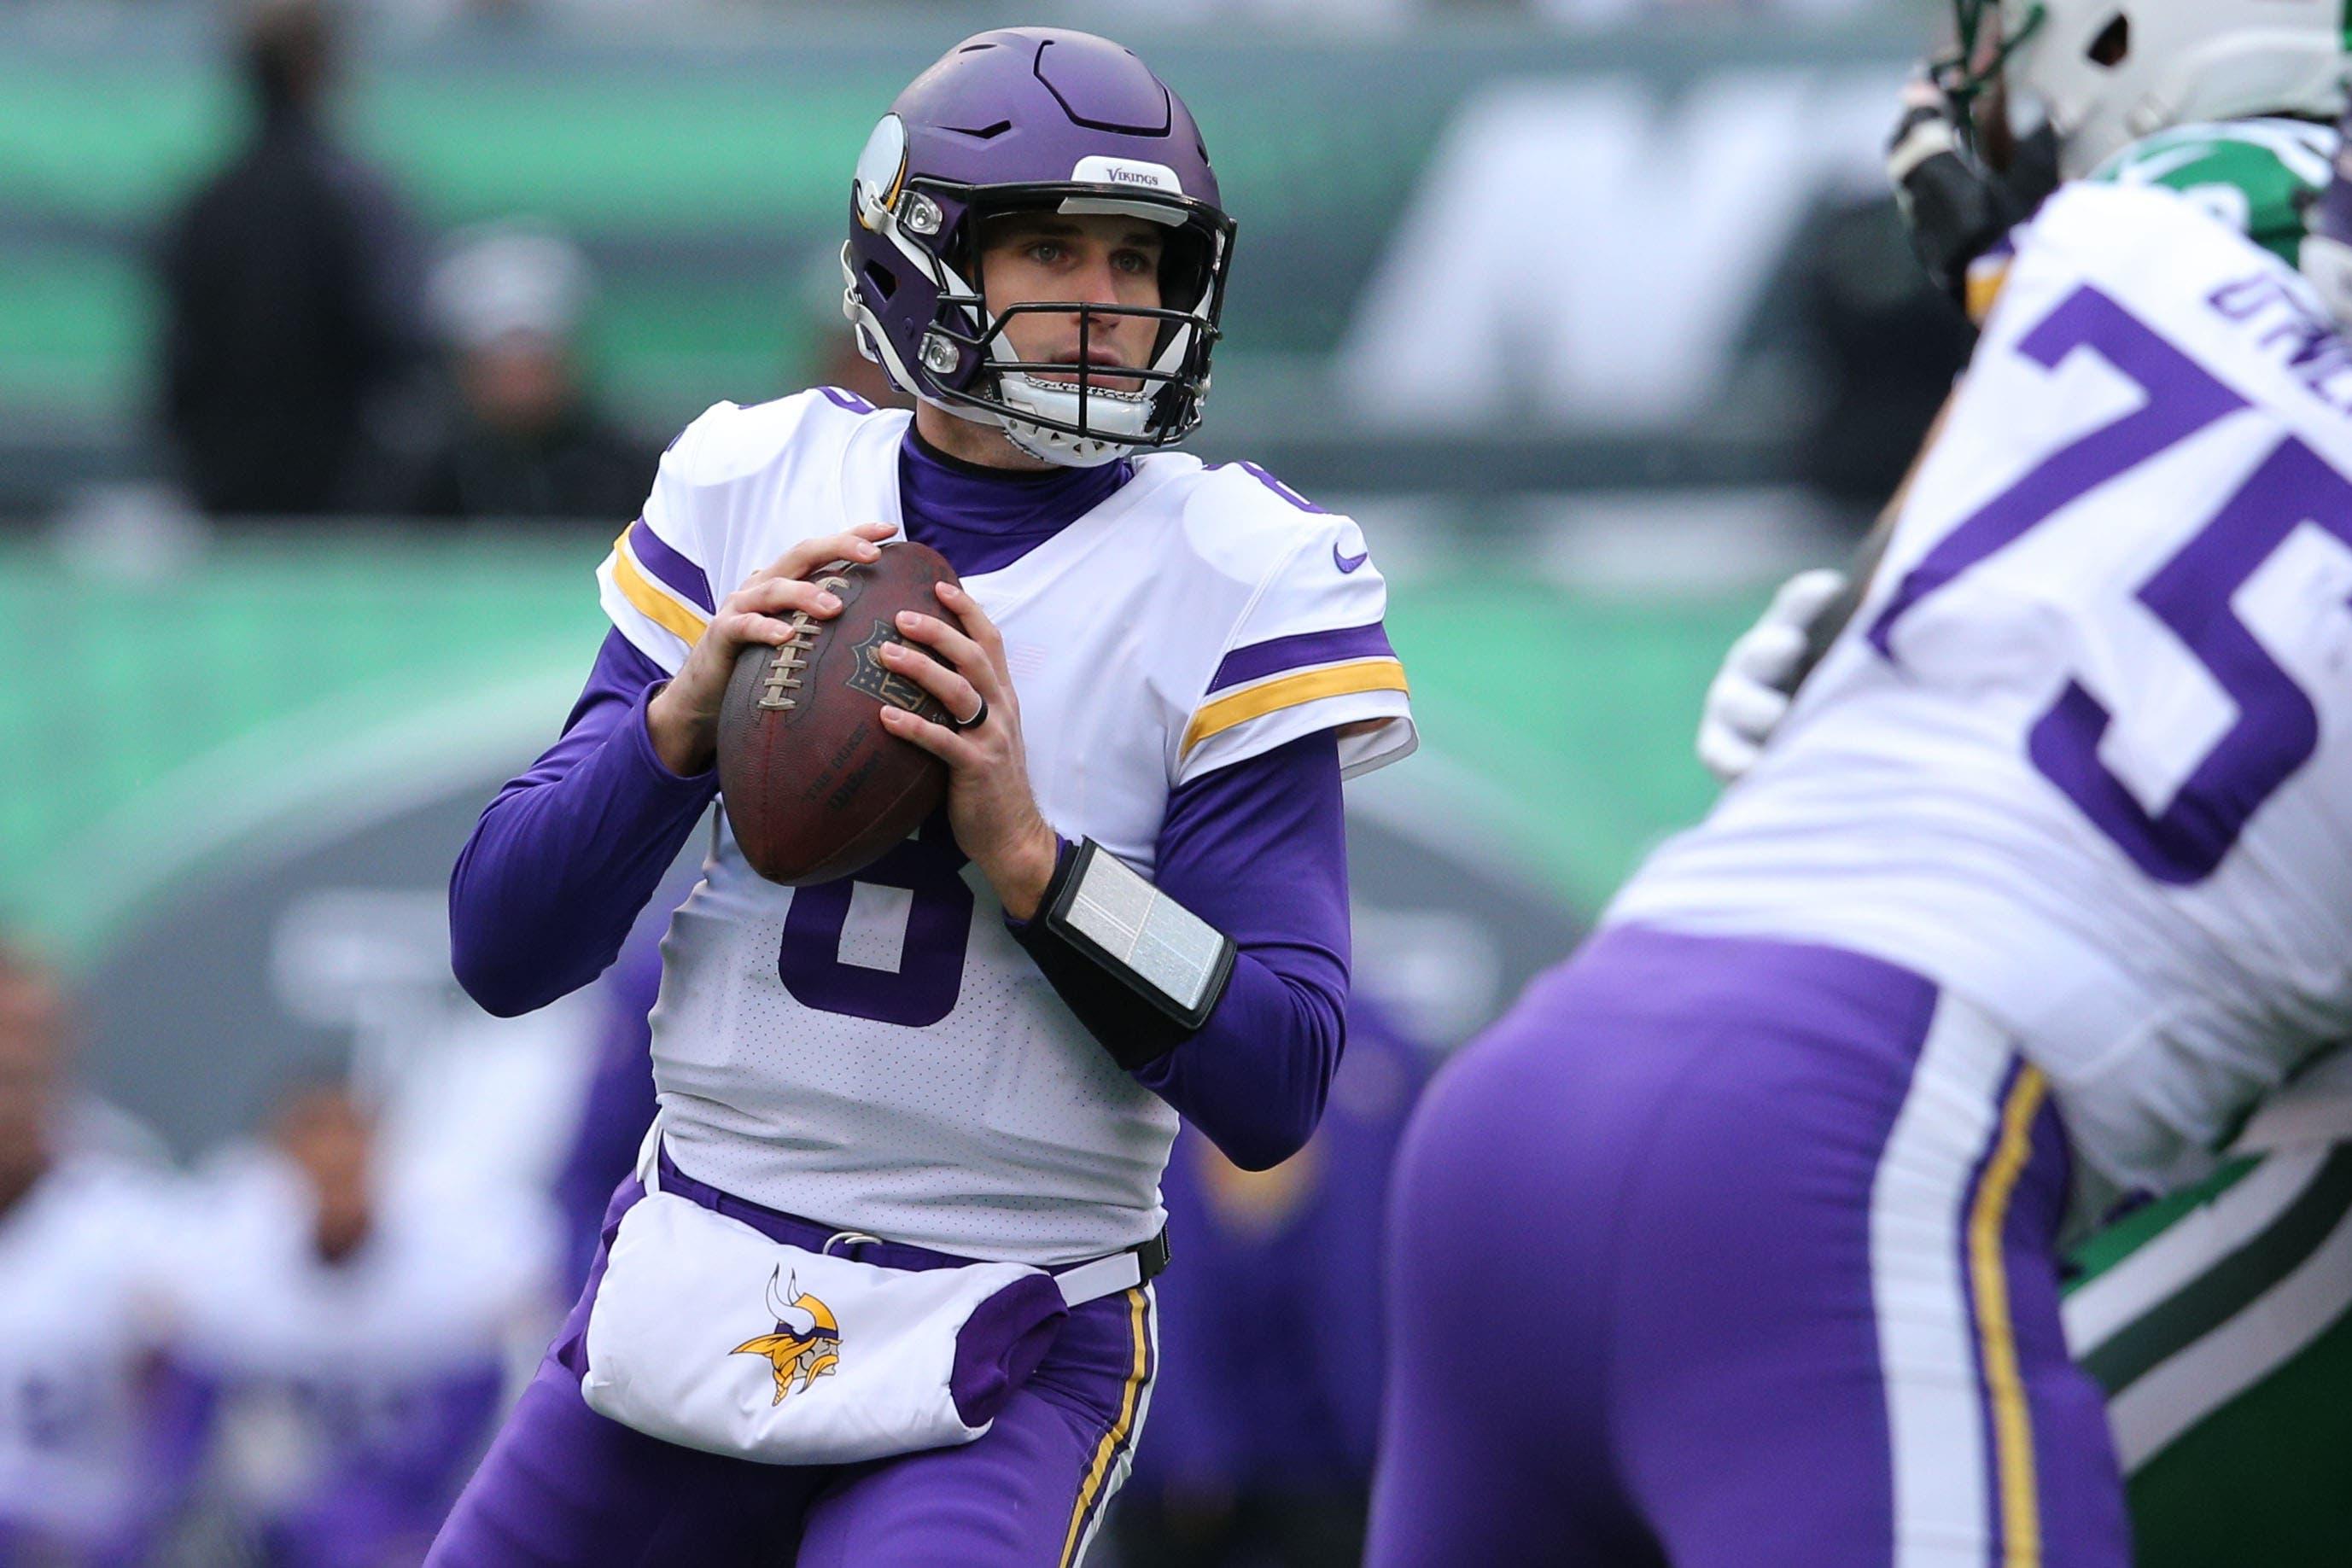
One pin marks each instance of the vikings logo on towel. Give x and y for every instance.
(806, 1344)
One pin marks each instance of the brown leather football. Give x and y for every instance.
(815, 788)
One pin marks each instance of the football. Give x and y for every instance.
(815, 788)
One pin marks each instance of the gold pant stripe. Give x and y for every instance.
(2012, 1420)
(1113, 1440)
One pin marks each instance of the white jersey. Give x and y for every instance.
(882, 1056)
(2085, 753)
(438, 1286)
(321, 1367)
(78, 1321)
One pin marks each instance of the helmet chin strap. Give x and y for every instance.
(1053, 445)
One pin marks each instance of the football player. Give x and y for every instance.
(348, 1334)
(1164, 671)
(94, 1453)
(2228, 1423)
(2036, 892)
(2232, 101)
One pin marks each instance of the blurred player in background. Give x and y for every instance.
(521, 435)
(95, 1447)
(924, 1066)
(2219, 1322)
(2035, 895)
(350, 1337)
(1262, 1450)
(292, 286)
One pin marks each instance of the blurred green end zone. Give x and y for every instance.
(1573, 712)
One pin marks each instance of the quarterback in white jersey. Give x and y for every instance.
(1164, 671)
(2039, 881)
(935, 1090)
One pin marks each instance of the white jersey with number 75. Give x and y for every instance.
(2085, 752)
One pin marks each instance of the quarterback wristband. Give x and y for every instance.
(1140, 971)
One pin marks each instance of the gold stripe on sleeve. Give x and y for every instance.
(656, 606)
(1289, 691)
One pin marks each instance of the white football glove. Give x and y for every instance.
(1750, 695)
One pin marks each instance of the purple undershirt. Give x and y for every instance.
(983, 520)
(567, 854)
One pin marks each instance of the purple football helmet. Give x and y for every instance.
(1034, 118)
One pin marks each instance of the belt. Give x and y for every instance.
(1079, 1282)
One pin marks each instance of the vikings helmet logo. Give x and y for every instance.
(806, 1344)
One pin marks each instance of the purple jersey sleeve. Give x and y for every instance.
(547, 887)
(1259, 850)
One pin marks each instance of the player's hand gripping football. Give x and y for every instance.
(1751, 693)
(991, 808)
(682, 720)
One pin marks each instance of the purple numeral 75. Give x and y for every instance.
(2276, 729)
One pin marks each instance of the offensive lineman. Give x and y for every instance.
(922, 1067)
(2038, 890)
(2219, 1323)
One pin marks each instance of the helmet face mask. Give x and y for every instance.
(1974, 75)
(1004, 125)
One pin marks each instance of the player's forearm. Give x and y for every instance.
(1259, 850)
(1255, 1078)
(563, 860)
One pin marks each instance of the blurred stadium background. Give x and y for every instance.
(1592, 310)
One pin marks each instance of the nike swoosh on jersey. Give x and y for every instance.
(1347, 563)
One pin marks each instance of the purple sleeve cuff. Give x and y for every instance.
(567, 854)
(1259, 850)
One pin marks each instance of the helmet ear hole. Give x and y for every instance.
(879, 278)
(2113, 45)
